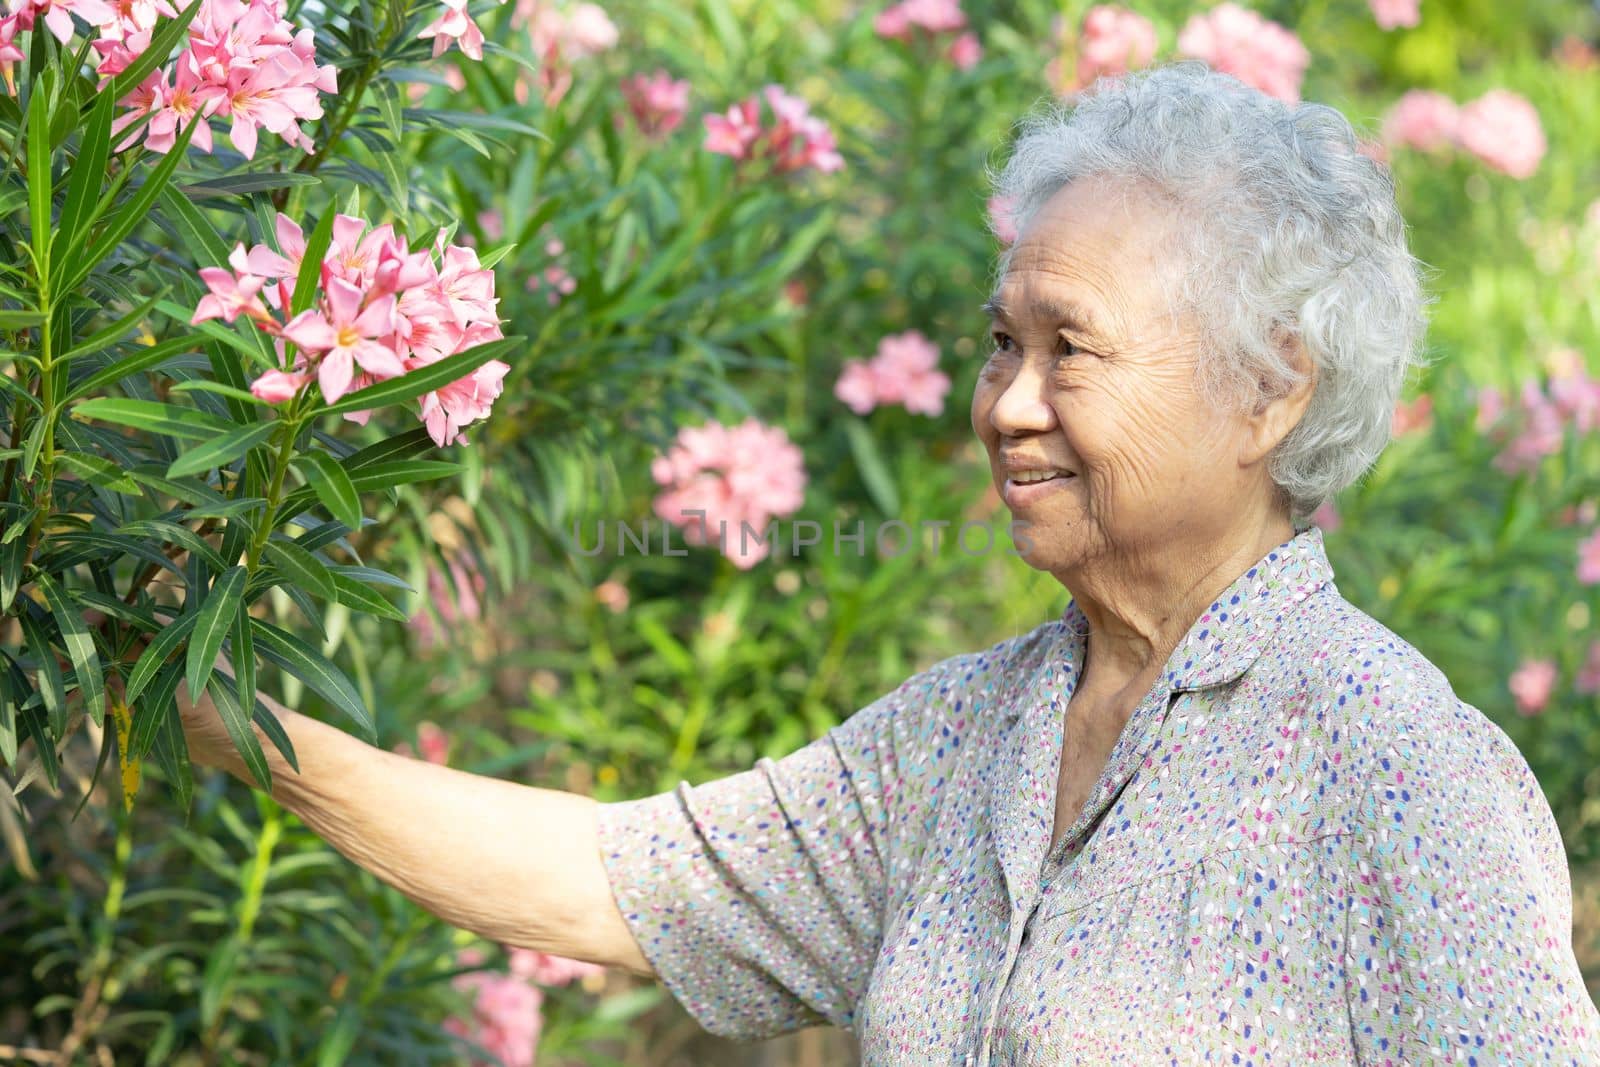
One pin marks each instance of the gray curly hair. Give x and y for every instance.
(1284, 227)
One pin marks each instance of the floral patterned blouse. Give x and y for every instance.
(1304, 849)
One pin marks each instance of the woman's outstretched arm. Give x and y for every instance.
(509, 862)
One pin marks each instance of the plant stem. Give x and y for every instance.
(290, 430)
(47, 454)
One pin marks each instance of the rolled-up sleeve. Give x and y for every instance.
(759, 898)
(1460, 922)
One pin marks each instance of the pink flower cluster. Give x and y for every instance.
(657, 102)
(903, 371)
(1112, 42)
(455, 598)
(506, 1012)
(724, 478)
(932, 19)
(1500, 128)
(1255, 50)
(1538, 427)
(1413, 416)
(795, 139)
(454, 26)
(1392, 13)
(1532, 685)
(243, 61)
(383, 310)
(555, 280)
(433, 744)
(560, 39)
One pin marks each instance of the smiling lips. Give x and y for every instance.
(1026, 484)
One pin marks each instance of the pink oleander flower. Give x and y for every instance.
(1585, 512)
(1588, 679)
(657, 102)
(904, 371)
(1413, 416)
(929, 16)
(965, 51)
(454, 597)
(346, 332)
(796, 138)
(1491, 404)
(1539, 432)
(541, 968)
(1502, 129)
(1575, 395)
(464, 401)
(276, 386)
(1392, 13)
(612, 595)
(1255, 50)
(1589, 559)
(718, 479)
(433, 745)
(234, 292)
(57, 14)
(454, 27)
(1422, 119)
(1532, 684)
(560, 40)
(1327, 517)
(505, 1019)
(1113, 42)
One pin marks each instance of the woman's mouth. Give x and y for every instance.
(1025, 487)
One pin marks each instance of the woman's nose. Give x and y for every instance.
(1023, 406)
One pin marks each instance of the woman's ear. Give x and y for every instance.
(1277, 415)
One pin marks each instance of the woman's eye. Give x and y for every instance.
(1067, 348)
(1004, 343)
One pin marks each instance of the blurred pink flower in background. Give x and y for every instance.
(657, 102)
(1539, 432)
(796, 138)
(453, 598)
(1584, 512)
(904, 371)
(1491, 406)
(1589, 558)
(612, 595)
(555, 281)
(1393, 13)
(1327, 517)
(1573, 392)
(1502, 129)
(505, 1018)
(745, 474)
(965, 51)
(1588, 679)
(561, 39)
(1422, 119)
(433, 744)
(454, 27)
(1112, 42)
(544, 969)
(1532, 684)
(1413, 416)
(929, 16)
(1255, 50)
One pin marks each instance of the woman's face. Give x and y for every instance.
(1090, 386)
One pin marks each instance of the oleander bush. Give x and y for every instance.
(334, 336)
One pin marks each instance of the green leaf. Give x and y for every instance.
(312, 668)
(132, 212)
(20, 320)
(364, 598)
(52, 687)
(153, 416)
(79, 644)
(155, 654)
(220, 451)
(333, 487)
(12, 696)
(244, 658)
(414, 383)
(304, 568)
(245, 184)
(140, 359)
(869, 462)
(99, 471)
(88, 173)
(159, 703)
(211, 625)
(172, 750)
(306, 282)
(203, 385)
(176, 534)
(39, 184)
(111, 334)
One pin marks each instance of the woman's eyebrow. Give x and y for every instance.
(1063, 311)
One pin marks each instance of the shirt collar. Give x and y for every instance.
(1230, 635)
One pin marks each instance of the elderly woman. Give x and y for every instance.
(1214, 813)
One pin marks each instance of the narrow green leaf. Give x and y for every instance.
(33, 720)
(110, 335)
(176, 534)
(245, 184)
(52, 687)
(333, 487)
(220, 451)
(244, 657)
(159, 702)
(172, 750)
(20, 320)
(202, 385)
(306, 282)
(88, 173)
(276, 734)
(303, 567)
(162, 42)
(155, 654)
(140, 359)
(13, 693)
(99, 471)
(153, 416)
(312, 668)
(414, 383)
(211, 625)
(364, 598)
(79, 644)
(39, 183)
(869, 462)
